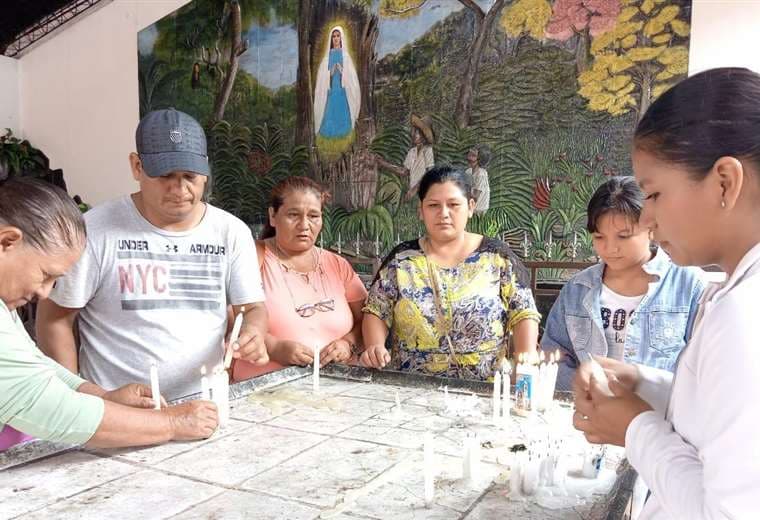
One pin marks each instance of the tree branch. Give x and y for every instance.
(475, 8)
(404, 11)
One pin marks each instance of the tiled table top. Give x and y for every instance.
(287, 453)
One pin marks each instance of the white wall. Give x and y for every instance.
(9, 96)
(724, 33)
(80, 101)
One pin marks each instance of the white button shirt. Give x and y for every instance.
(703, 459)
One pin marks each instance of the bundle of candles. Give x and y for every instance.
(535, 382)
(543, 464)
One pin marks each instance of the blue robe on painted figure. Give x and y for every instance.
(336, 123)
(337, 98)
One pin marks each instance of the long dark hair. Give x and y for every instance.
(46, 216)
(289, 185)
(710, 115)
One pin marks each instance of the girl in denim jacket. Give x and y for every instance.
(635, 305)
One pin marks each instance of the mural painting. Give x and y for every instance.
(537, 99)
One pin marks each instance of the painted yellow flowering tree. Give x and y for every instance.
(527, 17)
(644, 55)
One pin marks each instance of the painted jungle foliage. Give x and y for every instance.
(538, 97)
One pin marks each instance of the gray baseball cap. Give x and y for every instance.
(169, 141)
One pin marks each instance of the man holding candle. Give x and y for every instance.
(159, 270)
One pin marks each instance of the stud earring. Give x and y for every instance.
(723, 204)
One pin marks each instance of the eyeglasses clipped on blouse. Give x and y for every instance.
(308, 310)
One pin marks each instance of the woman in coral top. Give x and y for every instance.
(313, 296)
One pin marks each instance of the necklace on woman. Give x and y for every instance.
(305, 310)
(280, 254)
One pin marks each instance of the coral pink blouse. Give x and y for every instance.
(287, 289)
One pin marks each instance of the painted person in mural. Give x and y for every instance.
(696, 156)
(636, 305)
(159, 270)
(313, 296)
(478, 158)
(337, 96)
(444, 304)
(42, 234)
(419, 159)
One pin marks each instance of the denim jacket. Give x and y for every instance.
(658, 330)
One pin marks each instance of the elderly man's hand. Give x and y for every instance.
(250, 346)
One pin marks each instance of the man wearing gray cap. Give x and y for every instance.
(158, 272)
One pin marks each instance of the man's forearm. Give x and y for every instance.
(255, 317)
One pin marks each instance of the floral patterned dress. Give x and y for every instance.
(477, 303)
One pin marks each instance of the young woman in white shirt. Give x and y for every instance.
(692, 436)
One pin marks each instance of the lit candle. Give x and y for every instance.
(541, 382)
(429, 469)
(496, 396)
(315, 376)
(205, 389)
(339, 244)
(154, 389)
(234, 337)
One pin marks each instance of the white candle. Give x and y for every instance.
(600, 376)
(221, 394)
(429, 469)
(315, 376)
(154, 389)
(515, 474)
(496, 396)
(205, 389)
(234, 337)
(506, 395)
(471, 460)
(541, 382)
(531, 475)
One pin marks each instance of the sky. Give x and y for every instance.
(272, 57)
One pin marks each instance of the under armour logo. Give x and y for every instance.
(175, 136)
(170, 248)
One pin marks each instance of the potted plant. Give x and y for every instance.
(19, 158)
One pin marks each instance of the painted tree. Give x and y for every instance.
(526, 18)
(644, 55)
(582, 20)
(485, 21)
(212, 31)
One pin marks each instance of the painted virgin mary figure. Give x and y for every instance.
(337, 97)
